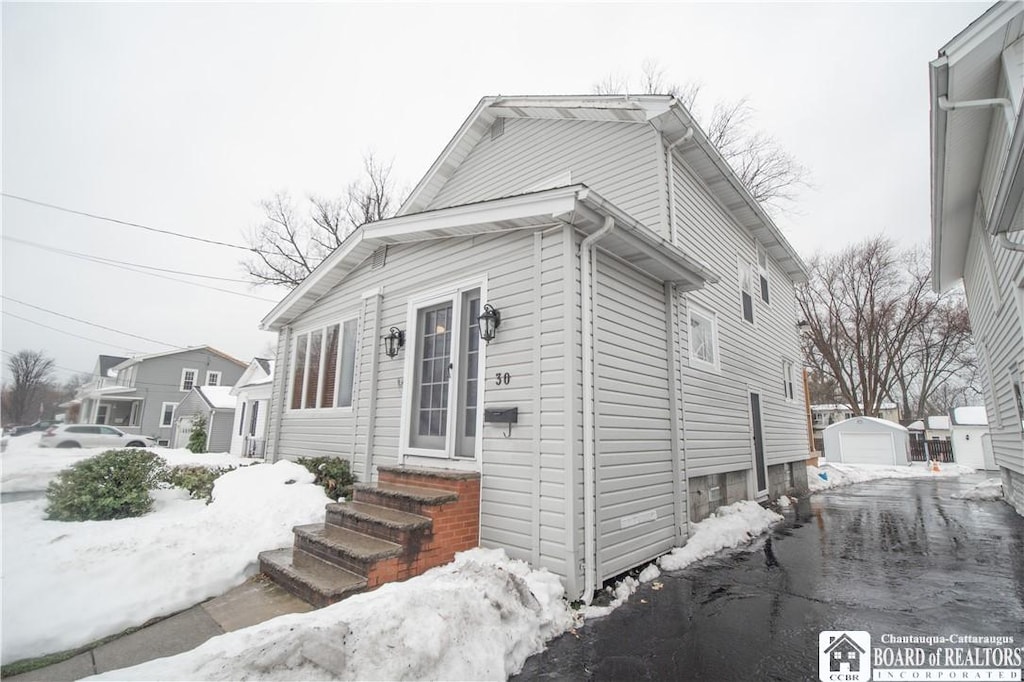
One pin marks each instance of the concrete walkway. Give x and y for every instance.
(252, 602)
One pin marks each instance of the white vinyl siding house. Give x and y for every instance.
(558, 218)
(977, 95)
(252, 394)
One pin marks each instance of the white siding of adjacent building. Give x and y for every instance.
(716, 405)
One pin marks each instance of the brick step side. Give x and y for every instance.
(426, 477)
(345, 548)
(404, 498)
(380, 522)
(309, 578)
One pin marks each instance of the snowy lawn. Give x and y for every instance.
(478, 618)
(66, 584)
(845, 474)
(26, 467)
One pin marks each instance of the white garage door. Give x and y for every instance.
(867, 448)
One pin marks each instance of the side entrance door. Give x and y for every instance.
(182, 431)
(755, 425)
(442, 389)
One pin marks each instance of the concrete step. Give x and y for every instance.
(343, 547)
(380, 522)
(426, 477)
(405, 498)
(309, 578)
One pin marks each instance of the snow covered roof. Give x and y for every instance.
(916, 426)
(838, 407)
(940, 423)
(884, 423)
(969, 416)
(217, 397)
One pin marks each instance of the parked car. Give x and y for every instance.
(92, 436)
(40, 425)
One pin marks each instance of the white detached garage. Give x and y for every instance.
(867, 440)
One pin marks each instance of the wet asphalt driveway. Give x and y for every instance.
(899, 556)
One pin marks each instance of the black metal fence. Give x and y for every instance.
(933, 450)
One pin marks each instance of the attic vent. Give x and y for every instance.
(497, 128)
(379, 257)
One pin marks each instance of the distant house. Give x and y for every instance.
(935, 427)
(826, 414)
(581, 308)
(139, 395)
(216, 405)
(972, 444)
(249, 433)
(977, 154)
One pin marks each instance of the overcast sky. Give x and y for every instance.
(183, 117)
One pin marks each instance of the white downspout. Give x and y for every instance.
(672, 183)
(1008, 244)
(589, 430)
(946, 105)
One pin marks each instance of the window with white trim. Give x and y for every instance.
(188, 378)
(703, 334)
(787, 379)
(746, 281)
(321, 375)
(762, 271)
(167, 413)
(212, 378)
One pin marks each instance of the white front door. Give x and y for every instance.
(442, 395)
(182, 432)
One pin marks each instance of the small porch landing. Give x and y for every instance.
(411, 520)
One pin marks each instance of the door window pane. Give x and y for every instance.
(435, 343)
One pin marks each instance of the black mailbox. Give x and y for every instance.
(502, 415)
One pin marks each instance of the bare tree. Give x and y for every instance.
(877, 330)
(769, 172)
(287, 245)
(31, 374)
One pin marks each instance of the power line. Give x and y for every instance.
(91, 324)
(57, 329)
(127, 223)
(111, 261)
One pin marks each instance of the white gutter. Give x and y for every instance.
(589, 431)
(672, 183)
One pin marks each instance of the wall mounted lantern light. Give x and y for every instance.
(490, 320)
(393, 340)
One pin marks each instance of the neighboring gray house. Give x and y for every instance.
(647, 339)
(977, 96)
(138, 395)
(249, 434)
(214, 403)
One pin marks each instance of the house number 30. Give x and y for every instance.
(503, 379)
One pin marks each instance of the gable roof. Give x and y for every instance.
(843, 640)
(664, 112)
(575, 204)
(141, 358)
(217, 397)
(968, 68)
(259, 373)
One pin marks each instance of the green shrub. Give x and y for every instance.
(197, 480)
(333, 473)
(111, 485)
(197, 437)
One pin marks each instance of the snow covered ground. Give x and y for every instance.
(989, 489)
(846, 474)
(66, 584)
(731, 526)
(478, 618)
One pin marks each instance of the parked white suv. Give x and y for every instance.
(92, 436)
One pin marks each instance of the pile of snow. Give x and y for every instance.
(28, 467)
(730, 526)
(989, 489)
(837, 475)
(478, 618)
(619, 594)
(66, 584)
(785, 501)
